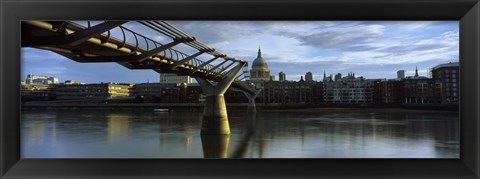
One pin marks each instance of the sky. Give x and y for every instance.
(372, 49)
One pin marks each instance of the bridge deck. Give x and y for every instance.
(102, 47)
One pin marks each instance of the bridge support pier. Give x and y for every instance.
(215, 118)
(251, 100)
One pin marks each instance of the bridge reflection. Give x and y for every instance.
(74, 134)
(216, 146)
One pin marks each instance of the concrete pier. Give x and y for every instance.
(215, 117)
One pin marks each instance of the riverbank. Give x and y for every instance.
(230, 106)
(330, 110)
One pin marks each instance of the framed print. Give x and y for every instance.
(304, 89)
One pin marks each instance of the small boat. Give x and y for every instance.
(161, 110)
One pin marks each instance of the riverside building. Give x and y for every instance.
(93, 91)
(449, 75)
(348, 90)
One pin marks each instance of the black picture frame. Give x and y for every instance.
(466, 11)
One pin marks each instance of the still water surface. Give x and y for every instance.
(313, 133)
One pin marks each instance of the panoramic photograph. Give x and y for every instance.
(240, 89)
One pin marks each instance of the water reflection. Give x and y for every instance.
(250, 124)
(329, 133)
(215, 146)
(118, 127)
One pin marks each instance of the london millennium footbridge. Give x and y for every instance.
(99, 44)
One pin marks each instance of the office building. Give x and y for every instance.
(309, 76)
(281, 76)
(41, 79)
(348, 90)
(174, 78)
(93, 91)
(400, 74)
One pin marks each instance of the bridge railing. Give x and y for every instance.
(127, 47)
(148, 44)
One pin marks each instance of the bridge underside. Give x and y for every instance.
(94, 45)
(103, 49)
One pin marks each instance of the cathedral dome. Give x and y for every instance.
(260, 63)
(259, 71)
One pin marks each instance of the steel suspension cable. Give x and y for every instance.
(156, 28)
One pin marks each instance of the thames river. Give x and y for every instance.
(302, 133)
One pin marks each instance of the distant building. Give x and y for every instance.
(235, 96)
(389, 92)
(286, 92)
(281, 76)
(37, 92)
(71, 82)
(348, 90)
(338, 76)
(449, 75)
(325, 78)
(309, 76)
(41, 79)
(153, 92)
(93, 91)
(422, 91)
(272, 78)
(174, 78)
(178, 93)
(350, 76)
(400, 74)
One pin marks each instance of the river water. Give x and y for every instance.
(306, 133)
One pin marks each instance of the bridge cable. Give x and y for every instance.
(154, 27)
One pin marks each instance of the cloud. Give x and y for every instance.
(373, 49)
(37, 55)
(445, 41)
(211, 32)
(352, 38)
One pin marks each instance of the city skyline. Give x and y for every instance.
(315, 46)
